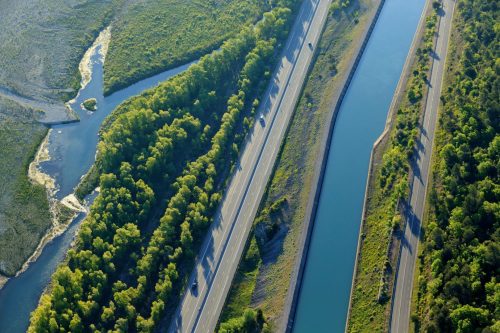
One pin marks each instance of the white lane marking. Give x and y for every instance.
(282, 92)
(435, 71)
(308, 57)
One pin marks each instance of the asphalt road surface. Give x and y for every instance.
(401, 302)
(220, 253)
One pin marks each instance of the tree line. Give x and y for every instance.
(177, 142)
(459, 282)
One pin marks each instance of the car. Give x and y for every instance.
(262, 120)
(194, 286)
(310, 45)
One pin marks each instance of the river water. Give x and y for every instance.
(72, 148)
(324, 296)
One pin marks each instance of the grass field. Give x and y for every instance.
(152, 36)
(43, 42)
(24, 209)
(278, 228)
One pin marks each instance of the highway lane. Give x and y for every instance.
(401, 301)
(220, 253)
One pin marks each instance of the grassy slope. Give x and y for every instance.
(369, 313)
(43, 42)
(24, 211)
(152, 36)
(266, 285)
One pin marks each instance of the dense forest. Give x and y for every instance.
(459, 282)
(171, 148)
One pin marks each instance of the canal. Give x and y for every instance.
(72, 149)
(324, 295)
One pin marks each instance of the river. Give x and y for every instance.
(72, 148)
(324, 295)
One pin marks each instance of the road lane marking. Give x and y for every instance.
(212, 277)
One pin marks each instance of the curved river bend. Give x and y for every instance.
(324, 294)
(72, 148)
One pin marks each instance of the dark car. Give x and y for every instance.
(194, 286)
(262, 121)
(310, 45)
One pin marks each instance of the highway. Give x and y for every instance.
(401, 301)
(222, 248)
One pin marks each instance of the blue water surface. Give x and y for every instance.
(324, 295)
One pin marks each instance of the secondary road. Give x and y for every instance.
(401, 301)
(220, 253)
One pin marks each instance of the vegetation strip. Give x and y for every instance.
(458, 283)
(281, 216)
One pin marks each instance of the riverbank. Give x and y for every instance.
(62, 211)
(386, 187)
(278, 227)
(20, 199)
(101, 44)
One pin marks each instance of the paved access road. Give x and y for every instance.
(401, 302)
(220, 253)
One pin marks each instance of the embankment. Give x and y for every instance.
(62, 211)
(380, 144)
(319, 172)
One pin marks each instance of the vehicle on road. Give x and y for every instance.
(194, 286)
(310, 45)
(262, 120)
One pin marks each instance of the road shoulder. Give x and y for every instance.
(281, 223)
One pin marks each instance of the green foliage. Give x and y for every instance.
(90, 104)
(152, 36)
(175, 143)
(338, 5)
(250, 322)
(462, 240)
(24, 208)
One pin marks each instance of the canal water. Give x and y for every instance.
(72, 148)
(324, 296)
